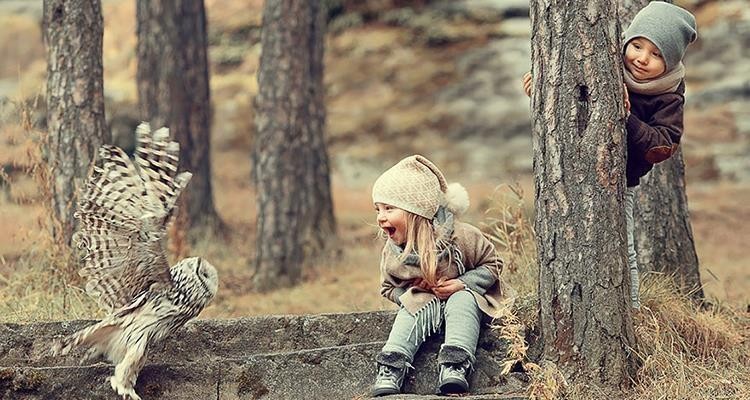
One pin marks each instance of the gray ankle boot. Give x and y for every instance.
(391, 372)
(455, 366)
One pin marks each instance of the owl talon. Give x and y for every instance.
(126, 393)
(129, 272)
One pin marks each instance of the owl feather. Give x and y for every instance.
(124, 212)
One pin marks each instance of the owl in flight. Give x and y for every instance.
(123, 215)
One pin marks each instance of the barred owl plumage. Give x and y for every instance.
(124, 212)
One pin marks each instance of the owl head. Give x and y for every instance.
(202, 273)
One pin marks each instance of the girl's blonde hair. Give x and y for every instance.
(420, 238)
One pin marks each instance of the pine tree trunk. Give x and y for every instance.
(663, 234)
(173, 91)
(290, 163)
(73, 32)
(579, 168)
(320, 222)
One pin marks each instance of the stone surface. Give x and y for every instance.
(326, 356)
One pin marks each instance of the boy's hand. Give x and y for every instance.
(627, 99)
(527, 83)
(445, 289)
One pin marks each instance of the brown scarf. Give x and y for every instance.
(666, 83)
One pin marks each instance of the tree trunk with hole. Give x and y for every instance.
(579, 168)
(173, 91)
(290, 161)
(663, 234)
(76, 127)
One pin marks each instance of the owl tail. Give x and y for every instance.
(97, 336)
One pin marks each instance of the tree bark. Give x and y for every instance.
(76, 127)
(579, 168)
(290, 162)
(320, 223)
(173, 91)
(663, 234)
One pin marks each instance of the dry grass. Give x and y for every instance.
(688, 352)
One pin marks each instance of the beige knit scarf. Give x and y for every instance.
(666, 83)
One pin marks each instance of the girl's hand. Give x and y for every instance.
(445, 289)
(527, 83)
(422, 284)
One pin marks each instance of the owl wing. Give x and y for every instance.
(123, 213)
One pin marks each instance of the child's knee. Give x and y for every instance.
(462, 297)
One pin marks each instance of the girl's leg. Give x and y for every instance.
(635, 299)
(402, 338)
(456, 358)
(396, 356)
(462, 322)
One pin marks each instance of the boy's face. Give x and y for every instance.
(392, 220)
(643, 59)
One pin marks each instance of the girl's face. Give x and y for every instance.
(643, 59)
(392, 220)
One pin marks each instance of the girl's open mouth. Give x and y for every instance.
(390, 230)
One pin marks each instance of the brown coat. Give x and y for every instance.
(654, 130)
(397, 277)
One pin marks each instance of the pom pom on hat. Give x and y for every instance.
(456, 198)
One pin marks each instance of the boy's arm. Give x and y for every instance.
(657, 138)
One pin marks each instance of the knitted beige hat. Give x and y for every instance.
(416, 185)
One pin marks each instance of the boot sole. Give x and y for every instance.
(384, 392)
(452, 386)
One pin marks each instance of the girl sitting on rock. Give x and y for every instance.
(441, 272)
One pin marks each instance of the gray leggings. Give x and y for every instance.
(635, 299)
(462, 320)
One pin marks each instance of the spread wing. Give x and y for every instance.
(123, 216)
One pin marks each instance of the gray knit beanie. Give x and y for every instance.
(669, 27)
(416, 185)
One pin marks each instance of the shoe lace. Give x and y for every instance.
(461, 368)
(389, 372)
(386, 371)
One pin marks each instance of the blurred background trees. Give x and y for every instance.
(290, 161)
(75, 104)
(401, 77)
(173, 91)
